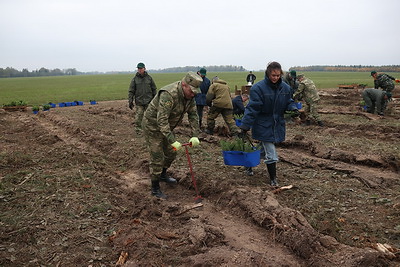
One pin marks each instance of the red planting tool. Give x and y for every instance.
(198, 198)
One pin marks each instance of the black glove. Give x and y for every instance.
(130, 105)
(296, 113)
(243, 132)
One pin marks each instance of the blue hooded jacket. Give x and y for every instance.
(265, 111)
(201, 97)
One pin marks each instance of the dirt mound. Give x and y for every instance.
(75, 192)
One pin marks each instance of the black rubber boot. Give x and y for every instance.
(272, 174)
(320, 123)
(249, 171)
(165, 178)
(210, 132)
(156, 191)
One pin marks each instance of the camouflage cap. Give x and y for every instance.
(300, 76)
(194, 80)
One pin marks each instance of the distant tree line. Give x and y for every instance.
(351, 68)
(222, 68)
(11, 72)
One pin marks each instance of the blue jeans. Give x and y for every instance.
(270, 153)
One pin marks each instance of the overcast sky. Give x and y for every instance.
(114, 35)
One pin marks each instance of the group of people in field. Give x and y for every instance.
(158, 113)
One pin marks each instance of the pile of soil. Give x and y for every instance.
(75, 191)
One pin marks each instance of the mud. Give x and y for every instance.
(75, 191)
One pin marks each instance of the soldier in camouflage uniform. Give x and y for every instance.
(142, 89)
(309, 93)
(386, 82)
(290, 78)
(219, 99)
(165, 112)
(375, 100)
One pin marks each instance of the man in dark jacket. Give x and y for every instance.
(251, 78)
(201, 97)
(238, 104)
(141, 91)
(375, 99)
(269, 99)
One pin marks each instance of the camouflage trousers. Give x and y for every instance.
(139, 112)
(311, 111)
(161, 153)
(227, 115)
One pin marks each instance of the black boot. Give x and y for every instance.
(156, 191)
(210, 132)
(320, 123)
(272, 174)
(249, 171)
(165, 178)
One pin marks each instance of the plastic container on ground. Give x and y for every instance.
(240, 158)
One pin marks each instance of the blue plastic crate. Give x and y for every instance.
(240, 158)
(62, 104)
(93, 102)
(238, 122)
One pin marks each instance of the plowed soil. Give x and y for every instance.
(75, 191)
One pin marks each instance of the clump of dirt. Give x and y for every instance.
(75, 191)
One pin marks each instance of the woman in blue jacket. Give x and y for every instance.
(269, 99)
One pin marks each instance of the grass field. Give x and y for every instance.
(41, 90)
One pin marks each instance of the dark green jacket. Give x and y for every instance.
(375, 97)
(142, 89)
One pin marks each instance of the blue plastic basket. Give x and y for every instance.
(240, 158)
(238, 122)
(299, 105)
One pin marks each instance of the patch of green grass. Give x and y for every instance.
(41, 90)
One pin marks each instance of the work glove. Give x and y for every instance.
(176, 145)
(243, 131)
(194, 141)
(296, 113)
(130, 105)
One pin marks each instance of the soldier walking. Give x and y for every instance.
(142, 89)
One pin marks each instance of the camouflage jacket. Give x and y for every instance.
(384, 81)
(306, 91)
(166, 111)
(219, 95)
(293, 83)
(142, 89)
